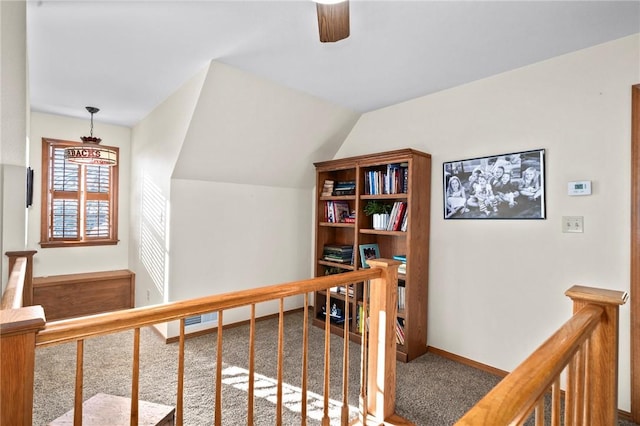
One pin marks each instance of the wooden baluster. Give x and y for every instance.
(280, 363)
(78, 394)
(344, 418)
(218, 409)
(569, 398)
(603, 347)
(27, 291)
(586, 399)
(555, 402)
(305, 358)
(135, 378)
(252, 356)
(180, 395)
(580, 393)
(327, 320)
(363, 353)
(540, 412)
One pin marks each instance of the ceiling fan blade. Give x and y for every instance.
(333, 21)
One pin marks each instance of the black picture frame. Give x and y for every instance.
(29, 187)
(504, 186)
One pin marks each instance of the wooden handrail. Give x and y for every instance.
(112, 322)
(514, 397)
(18, 328)
(587, 341)
(382, 277)
(27, 287)
(12, 296)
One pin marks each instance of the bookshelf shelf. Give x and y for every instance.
(337, 197)
(336, 265)
(408, 173)
(379, 232)
(383, 197)
(338, 224)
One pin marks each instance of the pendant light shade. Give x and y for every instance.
(90, 153)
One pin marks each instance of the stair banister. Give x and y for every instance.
(27, 292)
(18, 329)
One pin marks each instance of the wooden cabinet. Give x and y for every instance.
(406, 175)
(75, 295)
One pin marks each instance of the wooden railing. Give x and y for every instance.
(18, 328)
(586, 349)
(377, 391)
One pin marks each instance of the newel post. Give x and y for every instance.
(602, 367)
(381, 361)
(27, 291)
(18, 329)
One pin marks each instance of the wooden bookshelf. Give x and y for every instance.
(413, 243)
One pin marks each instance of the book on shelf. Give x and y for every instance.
(346, 290)
(399, 332)
(338, 253)
(362, 320)
(400, 257)
(337, 259)
(401, 298)
(337, 211)
(344, 188)
(402, 269)
(327, 188)
(405, 222)
(397, 216)
(392, 180)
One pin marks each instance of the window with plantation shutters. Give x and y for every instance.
(79, 202)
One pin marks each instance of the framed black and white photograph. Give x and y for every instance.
(505, 186)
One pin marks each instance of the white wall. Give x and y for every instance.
(249, 130)
(156, 143)
(496, 288)
(69, 260)
(13, 129)
(228, 237)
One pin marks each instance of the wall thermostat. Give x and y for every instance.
(582, 187)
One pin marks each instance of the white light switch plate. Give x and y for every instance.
(572, 223)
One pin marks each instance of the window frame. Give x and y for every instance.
(47, 196)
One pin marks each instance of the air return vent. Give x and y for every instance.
(203, 319)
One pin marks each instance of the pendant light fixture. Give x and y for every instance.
(90, 153)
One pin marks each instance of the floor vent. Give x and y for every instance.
(211, 317)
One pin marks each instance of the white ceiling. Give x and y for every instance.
(126, 57)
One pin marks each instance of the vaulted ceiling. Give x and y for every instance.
(126, 57)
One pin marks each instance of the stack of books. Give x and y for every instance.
(402, 269)
(344, 188)
(338, 253)
(346, 290)
(327, 189)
